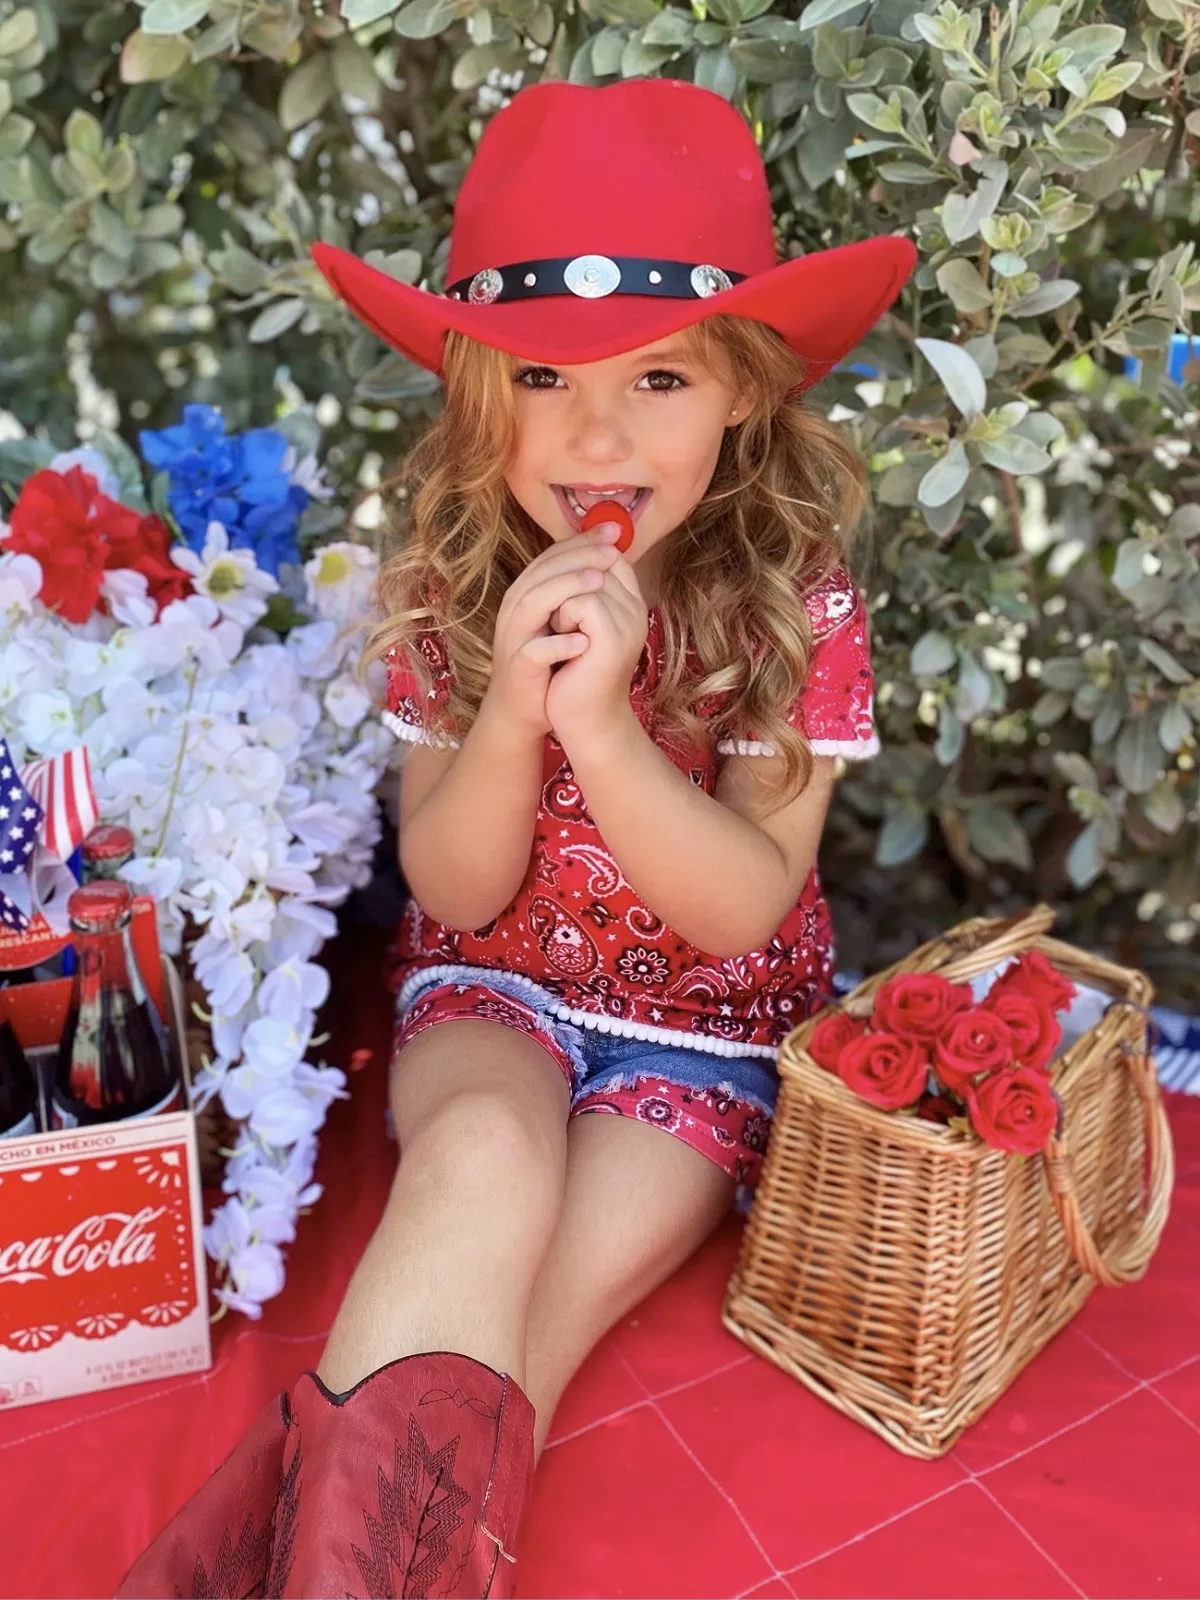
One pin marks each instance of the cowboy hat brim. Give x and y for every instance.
(821, 304)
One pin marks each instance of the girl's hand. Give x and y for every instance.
(592, 689)
(525, 647)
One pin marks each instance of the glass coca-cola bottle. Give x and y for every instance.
(18, 1089)
(106, 850)
(114, 1059)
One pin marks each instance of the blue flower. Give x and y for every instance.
(238, 480)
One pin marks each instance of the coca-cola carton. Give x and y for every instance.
(102, 1273)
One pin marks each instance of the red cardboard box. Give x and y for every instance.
(102, 1270)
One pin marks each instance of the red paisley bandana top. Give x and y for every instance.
(578, 930)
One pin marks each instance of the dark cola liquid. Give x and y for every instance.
(114, 1059)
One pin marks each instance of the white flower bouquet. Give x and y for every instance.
(212, 676)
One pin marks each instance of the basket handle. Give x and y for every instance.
(1135, 1256)
(1007, 936)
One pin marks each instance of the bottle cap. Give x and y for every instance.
(108, 842)
(100, 907)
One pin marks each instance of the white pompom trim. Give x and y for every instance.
(542, 1000)
(851, 749)
(413, 735)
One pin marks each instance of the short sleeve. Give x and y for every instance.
(411, 712)
(835, 709)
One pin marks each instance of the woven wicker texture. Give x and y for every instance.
(907, 1272)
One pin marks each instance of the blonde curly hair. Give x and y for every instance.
(784, 501)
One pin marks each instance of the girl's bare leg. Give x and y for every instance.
(481, 1114)
(638, 1203)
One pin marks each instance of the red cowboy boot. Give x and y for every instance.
(413, 1483)
(219, 1545)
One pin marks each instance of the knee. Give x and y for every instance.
(487, 1133)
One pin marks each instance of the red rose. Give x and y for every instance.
(1014, 1111)
(831, 1035)
(975, 1041)
(885, 1069)
(918, 1005)
(937, 1108)
(143, 544)
(1036, 1031)
(52, 522)
(1034, 975)
(76, 534)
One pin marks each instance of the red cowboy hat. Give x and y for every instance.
(593, 221)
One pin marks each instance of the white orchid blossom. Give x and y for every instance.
(245, 765)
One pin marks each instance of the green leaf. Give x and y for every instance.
(1048, 296)
(963, 381)
(1087, 859)
(961, 283)
(354, 72)
(996, 835)
(424, 19)
(902, 837)
(1175, 727)
(1174, 671)
(1113, 81)
(715, 70)
(1138, 757)
(1088, 46)
(950, 738)
(82, 132)
(305, 93)
(275, 319)
(149, 58)
(932, 655)
(1011, 452)
(608, 46)
(946, 478)
(964, 214)
(357, 13)
(173, 16)
(1164, 806)
(821, 11)
(974, 689)
(109, 232)
(403, 265)
(18, 32)
(669, 27)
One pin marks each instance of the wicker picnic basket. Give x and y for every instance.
(906, 1271)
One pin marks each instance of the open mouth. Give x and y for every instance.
(576, 503)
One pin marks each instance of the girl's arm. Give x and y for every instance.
(713, 868)
(467, 818)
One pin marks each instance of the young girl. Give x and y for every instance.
(619, 768)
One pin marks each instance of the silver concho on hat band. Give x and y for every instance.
(486, 286)
(591, 277)
(708, 281)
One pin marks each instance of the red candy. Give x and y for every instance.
(610, 511)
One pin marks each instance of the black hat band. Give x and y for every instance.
(593, 278)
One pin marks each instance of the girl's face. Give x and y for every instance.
(644, 428)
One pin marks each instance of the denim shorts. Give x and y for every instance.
(719, 1105)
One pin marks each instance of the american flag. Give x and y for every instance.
(62, 786)
(20, 818)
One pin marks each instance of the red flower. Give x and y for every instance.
(937, 1108)
(52, 521)
(1015, 1111)
(76, 534)
(885, 1069)
(1034, 975)
(975, 1041)
(1036, 1031)
(144, 544)
(918, 1005)
(830, 1036)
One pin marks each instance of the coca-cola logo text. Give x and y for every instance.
(106, 1239)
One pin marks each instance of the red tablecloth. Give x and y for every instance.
(679, 1464)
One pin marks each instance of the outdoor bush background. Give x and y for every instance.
(1035, 581)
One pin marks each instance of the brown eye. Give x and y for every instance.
(674, 381)
(537, 377)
